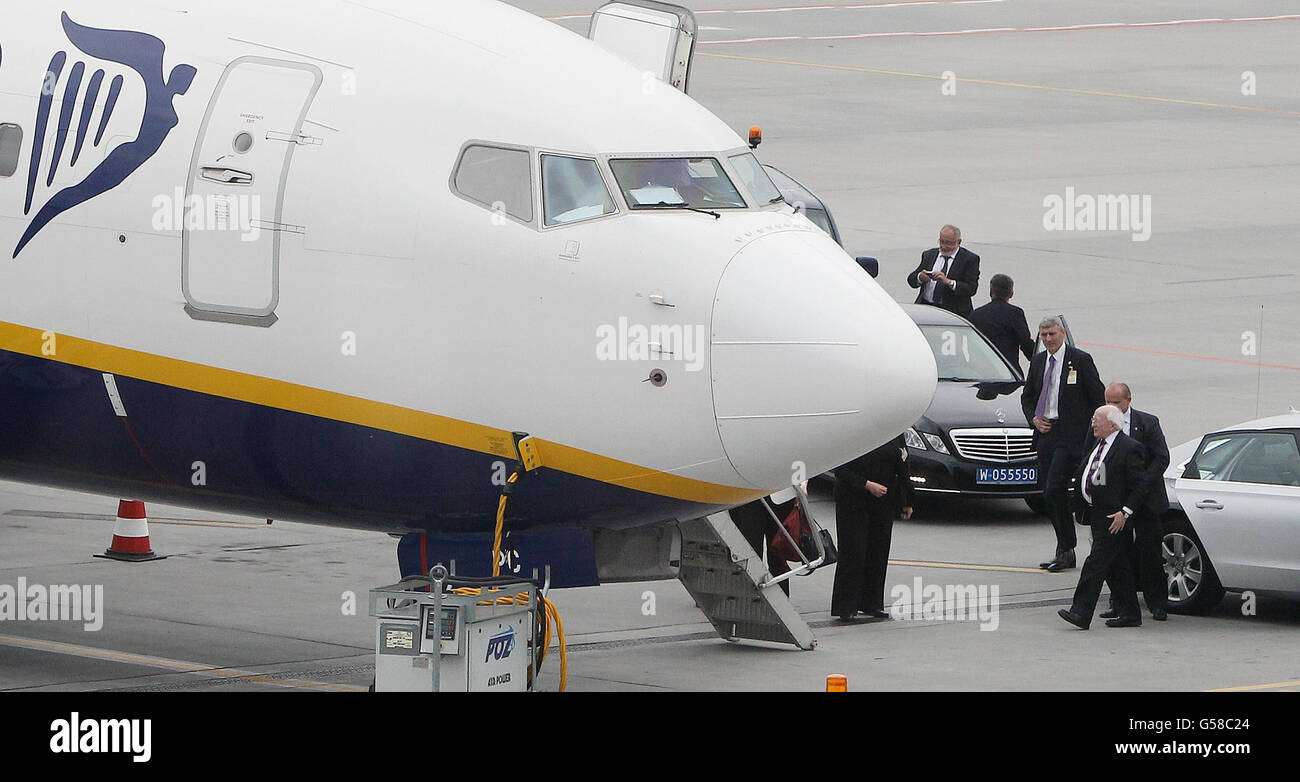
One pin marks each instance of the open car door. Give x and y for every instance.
(657, 37)
(1069, 338)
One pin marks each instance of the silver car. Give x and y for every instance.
(1234, 523)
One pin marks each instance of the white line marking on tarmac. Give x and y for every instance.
(180, 666)
(991, 30)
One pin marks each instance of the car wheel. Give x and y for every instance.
(1038, 505)
(1193, 586)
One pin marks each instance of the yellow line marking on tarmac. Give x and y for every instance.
(963, 566)
(1249, 687)
(182, 666)
(194, 523)
(1020, 85)
(42, 514)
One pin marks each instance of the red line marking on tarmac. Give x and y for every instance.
(1190, 355)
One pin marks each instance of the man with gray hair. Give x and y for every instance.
(1111, 486)
(948, 275)
(1061, 391)
(1146, 556)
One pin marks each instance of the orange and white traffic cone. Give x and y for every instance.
(131, 535)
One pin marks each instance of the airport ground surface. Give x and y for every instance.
(1116, 98)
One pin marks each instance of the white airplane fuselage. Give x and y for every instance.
(257, 289)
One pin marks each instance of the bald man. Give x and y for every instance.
(1110, 488)
(948, 275)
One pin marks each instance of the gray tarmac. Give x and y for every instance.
(1150, 104)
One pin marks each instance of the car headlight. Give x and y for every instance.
(913, 440)
(936, 443)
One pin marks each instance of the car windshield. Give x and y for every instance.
(963, 355)
(819, 219)
(699, 183)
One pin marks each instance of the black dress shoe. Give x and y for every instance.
(1160, 615)
(1109, 613)
(879, 613)
(1124, 621)
(1064, 562)
(1074, 619)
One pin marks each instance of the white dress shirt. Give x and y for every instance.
(1103, 447)
(940, 265)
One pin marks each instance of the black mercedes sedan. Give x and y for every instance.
(973, 440)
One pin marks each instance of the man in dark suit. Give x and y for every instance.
(948, 275)
(1060, 393)
(1146, 556)
(1111, 483)
(1003, 322)
(869, 491)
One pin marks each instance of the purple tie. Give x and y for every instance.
(1041, 410)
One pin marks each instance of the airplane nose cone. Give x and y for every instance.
(813, 364)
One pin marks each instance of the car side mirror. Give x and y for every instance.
(870, 266)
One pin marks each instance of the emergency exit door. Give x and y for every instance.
(232, 216)
(655, 36)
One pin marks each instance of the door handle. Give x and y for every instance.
(226, 176)
(1209, 505)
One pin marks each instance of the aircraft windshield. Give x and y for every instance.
(756, 179)
(698, 183)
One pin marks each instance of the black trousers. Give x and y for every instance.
(1108, 561)
(1056, 463)
(756, 525)
(865, 527)
(1147, 561)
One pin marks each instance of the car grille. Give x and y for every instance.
(994, 445)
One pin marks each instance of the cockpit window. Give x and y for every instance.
(572, 190)
(698, 183)
(755, 178)
(497, 177)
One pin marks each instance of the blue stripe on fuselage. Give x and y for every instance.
(59, 428)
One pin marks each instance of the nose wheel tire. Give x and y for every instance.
(1193, 586)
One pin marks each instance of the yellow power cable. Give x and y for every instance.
(552, 613)
(501, 522)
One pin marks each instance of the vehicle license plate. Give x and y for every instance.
(1006, 475)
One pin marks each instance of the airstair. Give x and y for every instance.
(732, 586)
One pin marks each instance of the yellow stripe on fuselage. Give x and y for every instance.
(292, 397)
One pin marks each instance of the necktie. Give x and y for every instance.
(947, 263)
(1092, 469)
(1041, 410)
